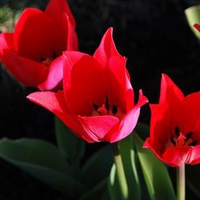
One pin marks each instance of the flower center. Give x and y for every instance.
(48, 60)
(107, 109)
(178, 139)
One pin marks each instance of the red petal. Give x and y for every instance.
(96, 127)
(55, 102)
(35, 35)
(117, 83)
(106, 48)
(56, 8)
(28, 72)
(189, 118)
(177, 156)
(197, 26)
(6, 43)
(52, 101)
(55, 75)
(160, 125)
(72, 39)
(82, 83)
(169, 92)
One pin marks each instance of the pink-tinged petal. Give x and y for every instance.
(83, 80)
(55, 75)
(128, 122)
(169, 92)
(97, 127)
(55, 102)
(28, 72)
(197, 26)
(195, 155)
(6, 43)
(35, 35)
(106, 48)
(52, 101)
(56, 8)
(176, 156)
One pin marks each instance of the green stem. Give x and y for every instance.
(181, 182)
(123, 187)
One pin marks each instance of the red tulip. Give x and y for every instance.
(175, 126)
(30, 53)
(97, 100)
(197, 26)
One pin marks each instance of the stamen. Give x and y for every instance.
(95, 106)
(172, 140)
(188, 136)
(193, 143)
(107, 103)
(114, 109)
(177, 131)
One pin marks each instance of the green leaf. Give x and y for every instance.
(128, 156)
(113, 184)
(155, 173)
(97, 167)
(193, 16)
(43, 161)
(69, 144)
(143, 129)
(98, 192)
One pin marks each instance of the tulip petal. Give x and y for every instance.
(35, 35)
(117, 83)
(169, 92)
(25, 70)
(83, 80)
(195, 155)
(128, 122)
(72, 38)
(55, 102)
(177, 156)
(55, 75)
(6, 43)
(197, 26)
(190, 108)
(106, 49)
(99, 126)
(160, 124)
(56, 8)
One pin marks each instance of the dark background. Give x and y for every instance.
(153, 35)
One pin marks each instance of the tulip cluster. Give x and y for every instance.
(92, 94)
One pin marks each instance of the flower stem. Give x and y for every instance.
(181, 182)
(123, 187)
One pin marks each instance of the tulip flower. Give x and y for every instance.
(97, 100)
(31, 53)
(175, 126)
